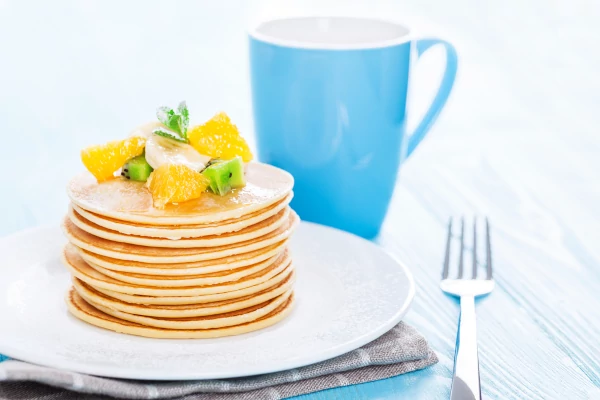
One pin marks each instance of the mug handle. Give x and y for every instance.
(440, 98)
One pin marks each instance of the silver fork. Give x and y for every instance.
(465, 379)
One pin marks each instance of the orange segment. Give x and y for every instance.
(172, 183)
(219, 138)
(103, 160)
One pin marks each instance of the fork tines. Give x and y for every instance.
(488, 250)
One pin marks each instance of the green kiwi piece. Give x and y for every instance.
(225, 175)
(137, 169)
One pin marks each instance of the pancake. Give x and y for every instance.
(190, 268)
(184, 231)
(80, 269)
(202, 299)
(252, 232)
(183, 311)
(84, 311)
(201, 322)
(126, 251)
(212, 278)
(126, 200)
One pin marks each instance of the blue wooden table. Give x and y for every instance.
(518, 142)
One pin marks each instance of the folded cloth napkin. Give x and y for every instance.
(399, 351)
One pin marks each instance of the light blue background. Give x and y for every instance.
(518, 141)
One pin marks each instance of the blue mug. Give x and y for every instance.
(329, 98)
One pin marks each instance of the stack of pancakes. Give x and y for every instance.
(210, 267)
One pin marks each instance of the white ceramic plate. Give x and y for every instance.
(348, 292)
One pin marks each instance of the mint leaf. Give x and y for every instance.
(185, 117)
(177, 122)
(174, 123)
(164, 114)
(169, 134)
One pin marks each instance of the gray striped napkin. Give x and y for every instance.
(399, 351)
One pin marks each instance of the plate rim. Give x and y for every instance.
(20, 354)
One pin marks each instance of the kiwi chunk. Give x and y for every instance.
(137, 169)
(225, 175)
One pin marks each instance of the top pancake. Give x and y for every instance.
(177, 232)
(131, 201)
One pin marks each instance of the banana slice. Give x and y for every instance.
(160, 150)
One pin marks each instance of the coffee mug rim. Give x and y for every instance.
(256, 35)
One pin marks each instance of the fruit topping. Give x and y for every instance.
(219, 138)
(137, 169)
(104, 160)
(161, 151)
(171, 183)
(225, 175)
(177, 165)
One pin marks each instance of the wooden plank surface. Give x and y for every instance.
(518, 142)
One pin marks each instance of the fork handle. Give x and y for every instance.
(465, 380)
